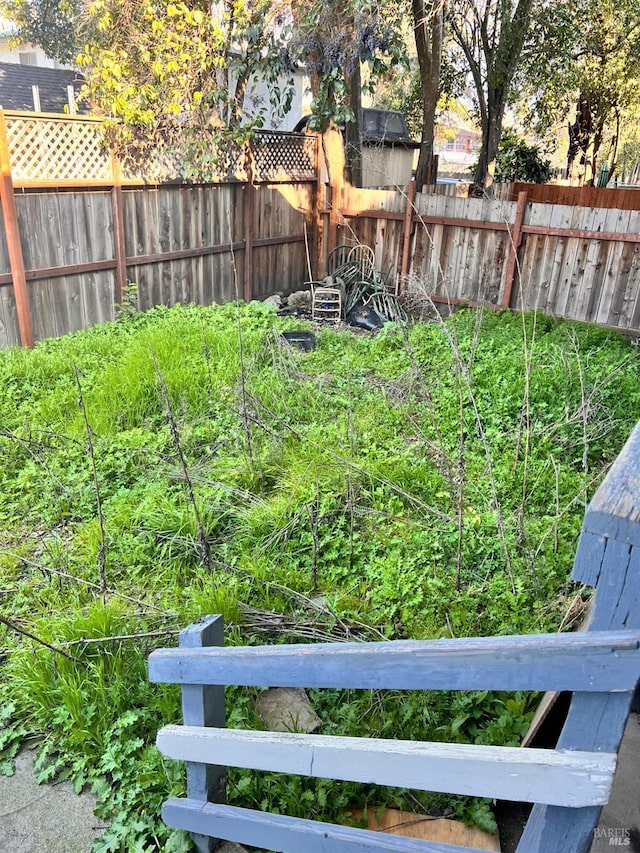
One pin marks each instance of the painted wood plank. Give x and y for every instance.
(288, 834)
(570, 778)
(589, 662)
(614, 511)
(597, 721)
(204, 706)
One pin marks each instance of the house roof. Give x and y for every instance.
(16, 83)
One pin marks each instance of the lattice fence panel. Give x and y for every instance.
(47, 149)
(70, 149)
(284, 156)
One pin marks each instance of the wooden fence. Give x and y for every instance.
(622, 198)
(77, 226)
(75, 229)
(575, 262)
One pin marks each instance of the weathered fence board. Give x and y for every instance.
(182, 244)
(573, 778)
(542, 662)
(9, 328)
(582, 263)
(77, 248)
(461, 248)
(290, 835)
(609, 197)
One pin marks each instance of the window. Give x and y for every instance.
(28, 58)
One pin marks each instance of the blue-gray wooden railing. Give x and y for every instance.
(568, 785)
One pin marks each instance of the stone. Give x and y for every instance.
(275, 301)
(287, 709)
(300, 298)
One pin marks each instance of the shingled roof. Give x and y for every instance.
(16, 83)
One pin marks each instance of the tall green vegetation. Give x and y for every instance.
(54, 25)
(426, 482)
(585, 73)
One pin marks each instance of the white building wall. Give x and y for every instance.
(27, 54)
(258, 98)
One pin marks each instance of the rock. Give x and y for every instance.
(300, 298)
(275, 301)
(287, 709)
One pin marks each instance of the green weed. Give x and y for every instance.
(424, 482)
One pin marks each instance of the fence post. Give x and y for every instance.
(406, 236)
(249, 202)
(608, 558)
(516, 239)
(14, 246)
(204, 706)
(334, 159)
(117, 218)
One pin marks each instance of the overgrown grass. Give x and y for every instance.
(424, 482)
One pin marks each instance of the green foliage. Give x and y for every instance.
(160, 74)
(333, 39)
(51, 24)
(489, 40)
(518, 161)
(586, 69)
(328, 487)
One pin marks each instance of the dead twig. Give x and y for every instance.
(86, 641)
(68, 576)
(23, 631)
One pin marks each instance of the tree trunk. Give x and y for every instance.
(428, 22)
(353, 130)
(491, 132)
(580, 132)
(237, 104)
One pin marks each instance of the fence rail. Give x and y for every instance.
(78, 226)
(621, 198)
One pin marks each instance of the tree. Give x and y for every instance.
(166, 74)
(428, 20)
(491, 34)
(588, 71)
(517, 161)
(51, 24)
(334, 40)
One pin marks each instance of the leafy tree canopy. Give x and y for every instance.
(166, 72)
(518, 161)
(51, 24)
(586, 71)
(491, 36)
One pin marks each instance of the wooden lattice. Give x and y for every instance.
(44, 149)
(47, 149)
(284, 156)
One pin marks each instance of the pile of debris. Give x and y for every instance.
(353, 290)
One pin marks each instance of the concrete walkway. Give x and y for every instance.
(50, 818)
(44, 818)
(619, 827)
